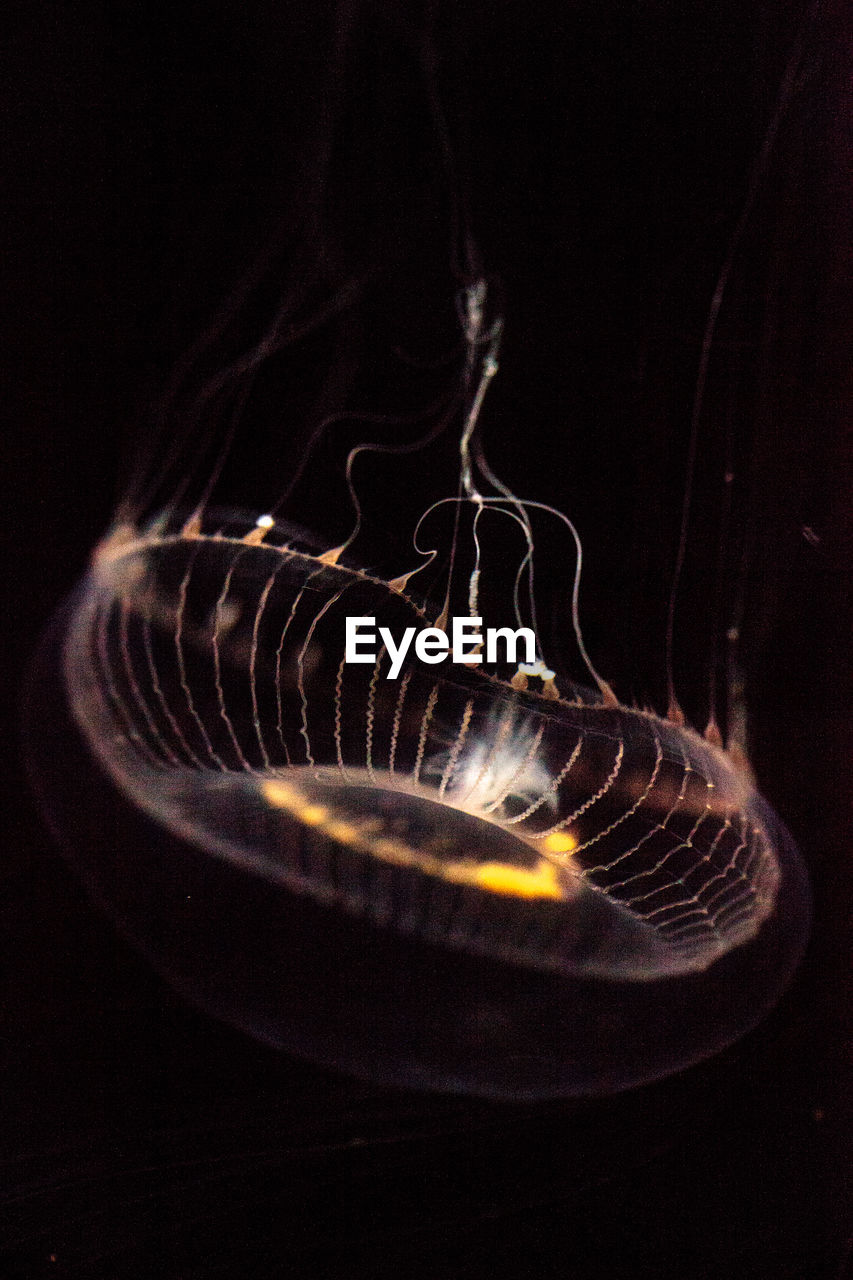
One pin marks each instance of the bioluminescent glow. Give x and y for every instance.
(371, 815)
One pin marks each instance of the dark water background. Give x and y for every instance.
(604, 153)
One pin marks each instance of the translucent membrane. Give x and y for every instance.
(515, 895)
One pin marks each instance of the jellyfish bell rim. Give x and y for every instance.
(479, 1025)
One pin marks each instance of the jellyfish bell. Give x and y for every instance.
(456, 878)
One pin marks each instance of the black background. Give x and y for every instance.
(604, 153)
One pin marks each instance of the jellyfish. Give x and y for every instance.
(339, 789)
